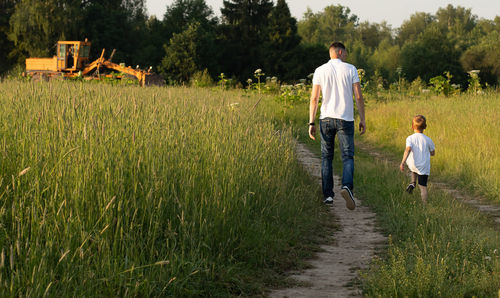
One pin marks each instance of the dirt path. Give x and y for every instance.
(334, 271)
(486, 207)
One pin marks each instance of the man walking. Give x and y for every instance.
(337, 81)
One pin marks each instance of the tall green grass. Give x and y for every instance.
(125, 191)
(464, 129)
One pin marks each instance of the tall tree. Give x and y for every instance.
(430, 55)
(386, 59)
(183, 13)
(6, 46)
(412, 28)
(457, 23)
(371, 34)
(244, 29)
(335, 23)
(35, 26)
(282, 40)
(484, 57)
(114, 24)
(187, 52)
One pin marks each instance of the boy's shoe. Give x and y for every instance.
(410, 188)
(328, 201)
(348, 197)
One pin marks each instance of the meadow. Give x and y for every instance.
(444, 249)
(463, 127)
(127, 191)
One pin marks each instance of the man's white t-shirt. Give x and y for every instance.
(419, 159)
(336, 79)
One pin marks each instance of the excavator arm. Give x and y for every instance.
(144, 77)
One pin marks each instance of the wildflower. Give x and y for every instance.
(258, 71)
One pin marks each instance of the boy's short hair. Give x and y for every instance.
(419, 122)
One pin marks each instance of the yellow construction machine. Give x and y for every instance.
(71, 61)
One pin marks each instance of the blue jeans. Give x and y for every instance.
(330, 127)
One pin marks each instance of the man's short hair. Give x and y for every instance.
(337, 45)
(419, 122)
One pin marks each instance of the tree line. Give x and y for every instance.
(250, 35)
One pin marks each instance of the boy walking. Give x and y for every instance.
(417, 155)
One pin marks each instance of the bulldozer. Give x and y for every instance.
(72, 60)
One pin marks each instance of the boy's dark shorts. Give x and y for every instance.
(422, 179)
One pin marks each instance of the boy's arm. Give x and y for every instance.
(405, 157)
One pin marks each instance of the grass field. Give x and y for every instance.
(464, 129)
(125, 191)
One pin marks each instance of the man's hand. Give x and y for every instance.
(362, 127)
(402, 167)
(312, 132)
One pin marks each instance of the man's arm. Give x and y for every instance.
(313, 107)
(360, 103)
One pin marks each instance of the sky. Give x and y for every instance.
(373, 11)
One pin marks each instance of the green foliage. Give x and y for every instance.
(334, 23)
(485, 56)
(372, 34)
(291, 95)
(457, 23)
(430, 55)
(244, 34)
(474, 82)
(441, 84)
(412, 28)
(386, 59)
(188, 52)
(282, 39)
(416, 86)
(6, 46)
(254, 34)
(182, 13)
(33, 32)
(202, 79)
(180, 61)
(114, 24)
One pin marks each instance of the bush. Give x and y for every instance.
(202, 79)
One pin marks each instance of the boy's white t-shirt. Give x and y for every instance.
(419, 159)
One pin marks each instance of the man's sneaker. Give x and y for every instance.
(349, 199)
(410, 188)
(328, 201)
